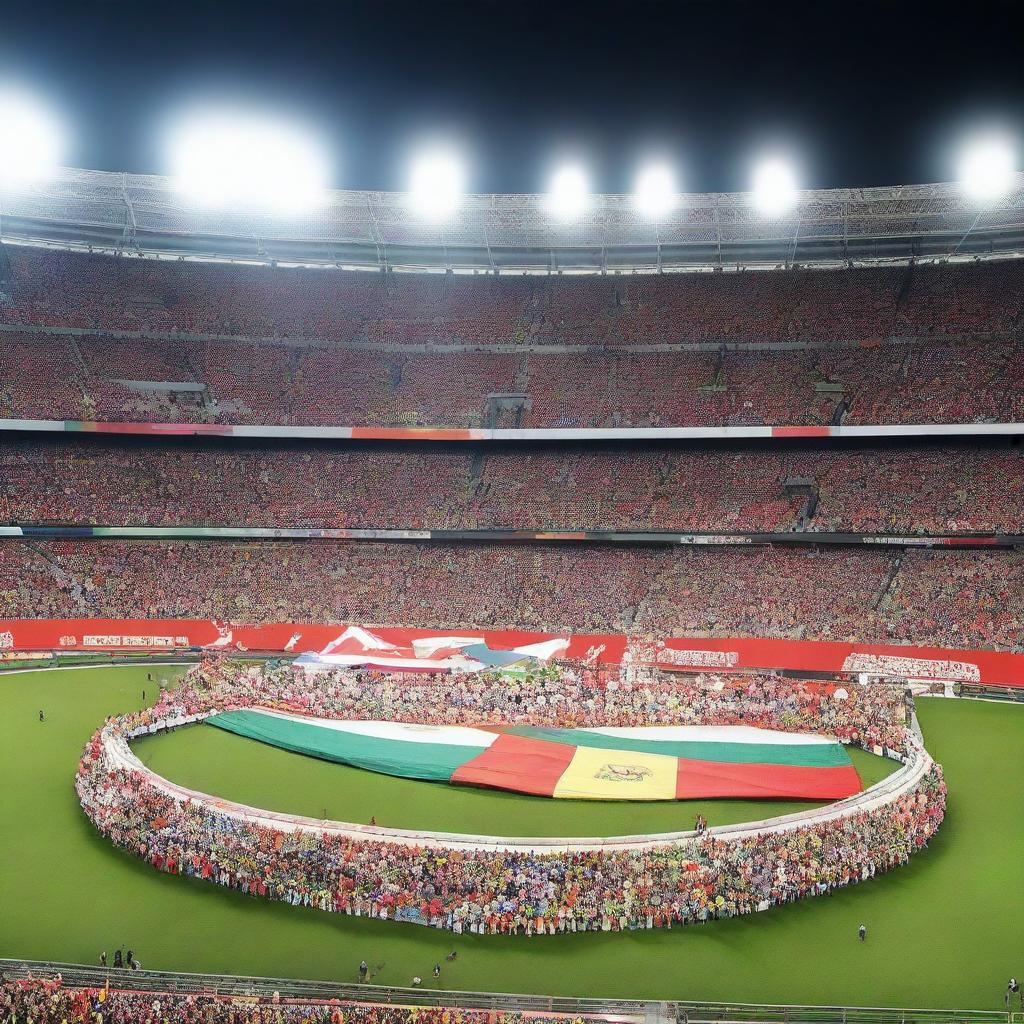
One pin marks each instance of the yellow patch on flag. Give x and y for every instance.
(598, 774)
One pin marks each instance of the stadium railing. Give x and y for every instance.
(20, 661)
(992, 692)
(649, 1011)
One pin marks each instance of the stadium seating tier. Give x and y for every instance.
(272, 346)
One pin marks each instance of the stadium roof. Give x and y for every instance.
(515, 233)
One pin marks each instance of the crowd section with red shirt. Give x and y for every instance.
(957, 599)
(266, 383)
(328, 347)
(95, 292)
(508, 886)
(933, 489)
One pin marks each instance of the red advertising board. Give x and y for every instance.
(736, 654)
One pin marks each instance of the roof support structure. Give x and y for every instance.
(515, 233)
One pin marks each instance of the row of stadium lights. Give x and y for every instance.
(229, 158)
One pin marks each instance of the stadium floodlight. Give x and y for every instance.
(774, 187)
(987, 168)
(569, 195)
(30, 139)
(228, 159)
(655, 194)
(436, 184)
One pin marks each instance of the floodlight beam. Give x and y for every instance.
(436, 184)
(987, 168)
(655, 194)
(569, 195)
(229, 159)
(31, 141)
(774, 187)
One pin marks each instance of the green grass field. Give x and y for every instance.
(944, 931)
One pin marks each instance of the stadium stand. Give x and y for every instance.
(221, 343)
(276, 383)
(966, 599)
(252, 345)
(922, 489)
(62, 289)
(48, 1000)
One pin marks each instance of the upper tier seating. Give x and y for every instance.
(928, 344)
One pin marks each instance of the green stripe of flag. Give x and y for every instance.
(432, 761)
(811, 755)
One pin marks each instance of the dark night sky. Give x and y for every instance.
(865, 93)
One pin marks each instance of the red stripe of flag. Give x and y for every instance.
(704, 779)
(518, 763)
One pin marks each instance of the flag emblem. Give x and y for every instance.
(622, 773)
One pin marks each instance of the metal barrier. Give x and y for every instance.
(38, 661)
(78, 975)
(1010, 694)
(646, 1011)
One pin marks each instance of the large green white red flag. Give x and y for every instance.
(642, 763)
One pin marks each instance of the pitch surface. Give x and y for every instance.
(943, 931)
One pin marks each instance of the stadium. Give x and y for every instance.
(511, 613)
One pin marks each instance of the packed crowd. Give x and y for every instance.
(948, 598)
(562, 696)
(61, 289)
(698, 878)
(932, 489)
(327, 348)
(49, 1001)
(46, 376)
